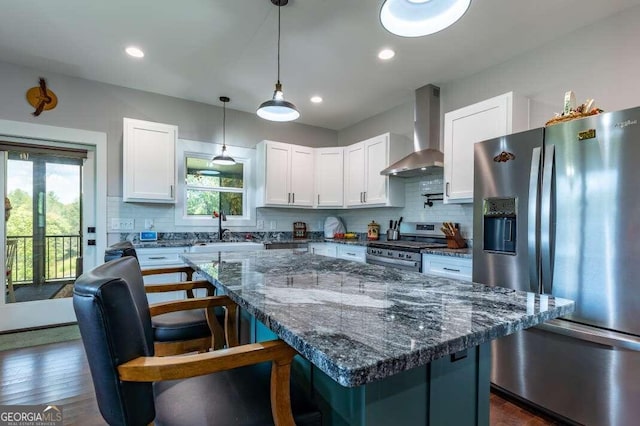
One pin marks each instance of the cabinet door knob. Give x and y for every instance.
(447, 189)
(293, 198)
(171, 191)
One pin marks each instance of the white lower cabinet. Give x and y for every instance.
(323, 249)
(340, 251)
(352, 252)
(447, 266)
(162, 257)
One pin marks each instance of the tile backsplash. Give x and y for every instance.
(281, 219)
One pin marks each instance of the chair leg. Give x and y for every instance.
(280, 392)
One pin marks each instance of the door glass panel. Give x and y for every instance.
(62, 238)
(44, 225)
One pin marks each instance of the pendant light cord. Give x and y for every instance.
(279, 6)
(224, 125)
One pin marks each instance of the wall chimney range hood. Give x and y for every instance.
(426, 137)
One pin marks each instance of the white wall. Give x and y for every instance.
(601, 61)
(88, 105)
(398, 120)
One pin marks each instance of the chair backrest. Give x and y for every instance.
(118, 250)
(113, 316)
(12, 247)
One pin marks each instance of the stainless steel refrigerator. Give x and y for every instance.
(557, 211)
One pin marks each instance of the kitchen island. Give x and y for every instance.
(380, 345)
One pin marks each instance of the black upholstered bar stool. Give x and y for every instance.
(231, 386)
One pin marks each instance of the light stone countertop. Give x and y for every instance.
(359, 323)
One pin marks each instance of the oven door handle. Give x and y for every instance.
(389, 261)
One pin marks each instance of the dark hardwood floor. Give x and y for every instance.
(58, 374)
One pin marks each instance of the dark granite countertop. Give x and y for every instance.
(465, 253)
(163, 243)
(462, 253)
(347, 241)
(359, 323)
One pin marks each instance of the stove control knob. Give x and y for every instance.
(389, 253)
(400, 255)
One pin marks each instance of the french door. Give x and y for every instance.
(43, 222)
(50, 232)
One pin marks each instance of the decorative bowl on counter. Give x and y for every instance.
(338, 236)
(350, 235)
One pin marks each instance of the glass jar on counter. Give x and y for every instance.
(373, 231)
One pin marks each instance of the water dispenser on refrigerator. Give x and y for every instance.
(500, 225)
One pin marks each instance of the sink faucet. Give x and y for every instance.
(221, 231)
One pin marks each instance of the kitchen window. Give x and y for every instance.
(212, 187)
(204, 187)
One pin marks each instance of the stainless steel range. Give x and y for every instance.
(405, 252)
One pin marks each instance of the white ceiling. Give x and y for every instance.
(202, 49)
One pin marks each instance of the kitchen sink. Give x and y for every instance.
(226, 246)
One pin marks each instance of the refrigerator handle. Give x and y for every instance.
(592, 334)
(547, 219)
(532, 231)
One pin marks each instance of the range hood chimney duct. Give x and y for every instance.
(426, 137)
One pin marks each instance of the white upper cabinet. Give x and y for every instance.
(329, 177)
(464, 127)
(285, 174)
(149, 161)
(364, 186)
(354, 165)
(376, 152)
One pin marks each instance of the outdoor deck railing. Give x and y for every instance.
(61, 252)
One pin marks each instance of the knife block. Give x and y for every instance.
(456, 241)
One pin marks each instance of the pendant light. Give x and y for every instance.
(415, 18)
(223, 159)
(276, 108)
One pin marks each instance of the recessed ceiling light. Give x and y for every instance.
(316, 99)
(134, 51)
(386, 54)
(415, 18)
